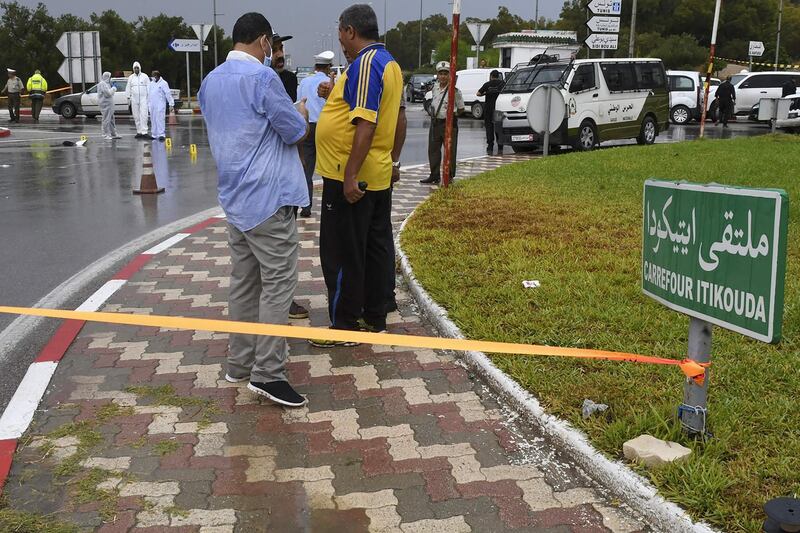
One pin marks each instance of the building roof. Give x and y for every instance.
(534, 37)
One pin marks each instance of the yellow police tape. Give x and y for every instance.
(690, 368)
(747, 62)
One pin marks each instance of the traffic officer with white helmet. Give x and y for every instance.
(438, 113)
(308, 90)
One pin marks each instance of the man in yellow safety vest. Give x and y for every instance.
(37, 88)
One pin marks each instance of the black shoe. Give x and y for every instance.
(305, 212)
(161, 139)
(297, 311)
(137, 136)
(279, 392)
(430, 179)
(363, 325)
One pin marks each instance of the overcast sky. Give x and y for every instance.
(310, 21)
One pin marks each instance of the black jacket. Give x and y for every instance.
(726, 92)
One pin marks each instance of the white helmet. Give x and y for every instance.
(442, 66)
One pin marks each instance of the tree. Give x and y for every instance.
(116, 37)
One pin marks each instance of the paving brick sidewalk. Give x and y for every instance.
(140, 432)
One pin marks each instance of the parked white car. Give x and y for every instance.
(792, 122)
(751, 87)
(685, 95)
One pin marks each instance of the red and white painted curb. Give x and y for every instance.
(19, 413)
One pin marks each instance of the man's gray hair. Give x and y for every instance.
(362, 18)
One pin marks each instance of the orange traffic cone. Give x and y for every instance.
(148, 184)
(173, 119)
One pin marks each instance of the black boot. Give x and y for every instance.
(430, 179)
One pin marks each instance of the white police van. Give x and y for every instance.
(606, 99)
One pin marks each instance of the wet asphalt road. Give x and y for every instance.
(63, 208)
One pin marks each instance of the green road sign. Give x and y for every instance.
(717, 253)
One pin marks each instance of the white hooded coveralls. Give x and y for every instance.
(137, 92)
(105, 99)
(159, 98)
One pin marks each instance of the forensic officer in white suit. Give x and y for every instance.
(160, 97)
(137, 92)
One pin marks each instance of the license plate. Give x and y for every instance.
(521, 138)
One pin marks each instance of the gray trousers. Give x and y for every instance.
(436, 147)
(310, 160)
(107, 116)
(263, 282)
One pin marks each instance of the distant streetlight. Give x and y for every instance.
(420, 34)
(778, 38)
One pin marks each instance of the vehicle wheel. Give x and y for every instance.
(477, 110)
(522, 149)
(587, 137)
(648, 133)
(68, 110)
(680, 114)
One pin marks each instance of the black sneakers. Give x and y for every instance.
(430, 179)
(297, 311)
(279, 392)
(305, 212)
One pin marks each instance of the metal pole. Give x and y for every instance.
(751, 63)
(451, 95)
(216, 63)
(202, 40)
(69, 61)
(536, 17)
(478, 47)
(83, 64)
(188, 84)
(710, 67)
(778, 39)
(385, 29)
(420, 34)
(694, 418)
(632, 40)
(546, 142)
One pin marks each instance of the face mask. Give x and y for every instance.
(268, 57)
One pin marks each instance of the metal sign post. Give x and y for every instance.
(717, 254)
(694, 410)
(451, 95)
(546, 111)
(82, 61)
(755, 49)
(604, 25)
(478, 31)
(188, 84)
(188, 46)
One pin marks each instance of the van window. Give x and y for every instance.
(583, 79)
(526, 80)
(619, 76)
(763, 81)
(649, 75)
(681, 83)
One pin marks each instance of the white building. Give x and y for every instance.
(521, 47)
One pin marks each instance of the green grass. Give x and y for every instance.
(574, 223)
(20, 522)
